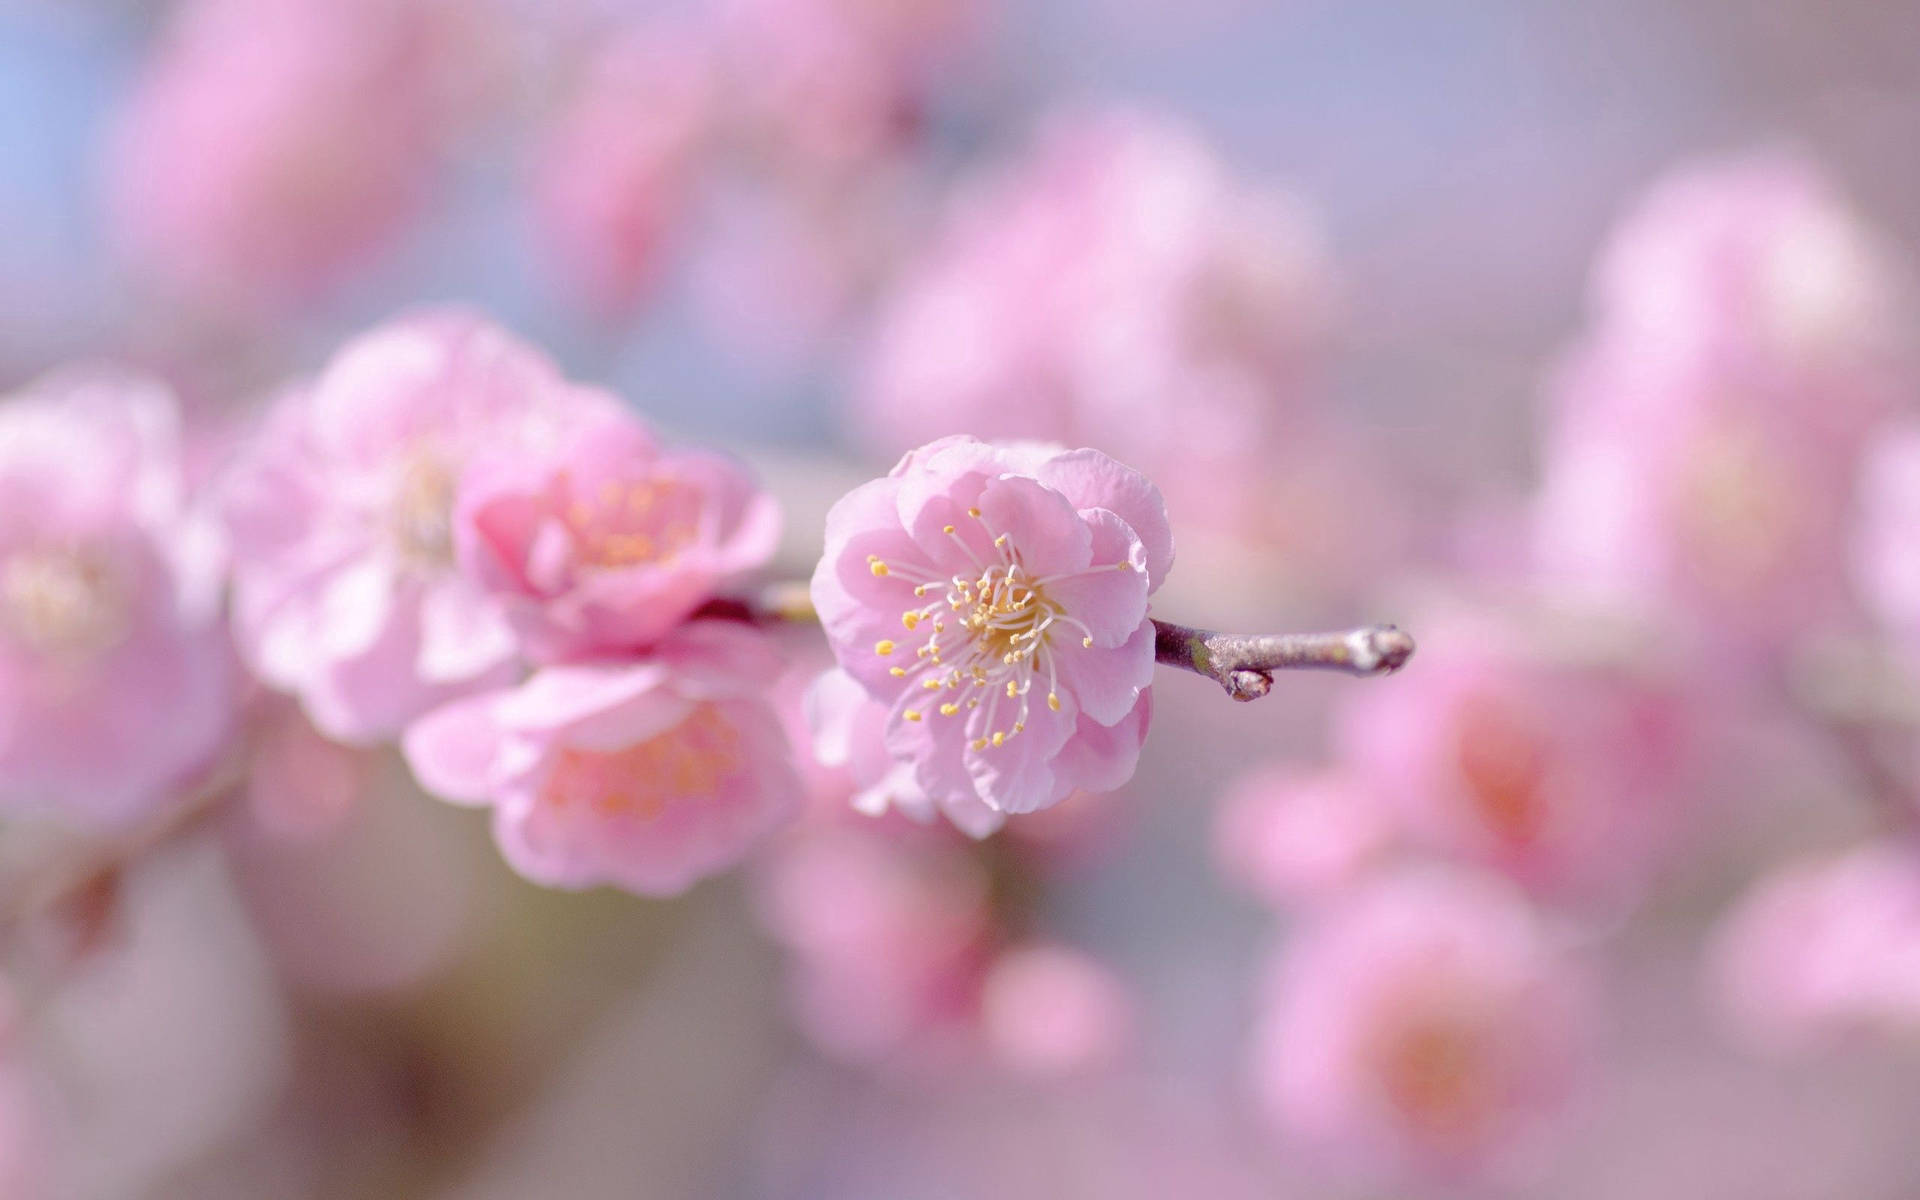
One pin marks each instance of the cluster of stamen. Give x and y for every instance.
(688, 762)
(62, 600)
(627, 524)
(988, 637)
(421, 515)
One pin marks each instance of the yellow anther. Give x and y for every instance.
(947, 710)
(1087, 642)
(1013, 689)
(1053, 701)
(910, 619)
(879, 568)
(979, 743)
(932, 685)
(897, 672)
(999, 738)
(946, 529)
(1019, 726)
(883, 646)
(1001, 540)
(911, 714)
(973, 512)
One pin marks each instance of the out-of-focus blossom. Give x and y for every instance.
(1427, 1024)
(849, 731)
(648, 773)
(1824, 951)
(614, 171)
(302, 785)
(994, 597)
(346, 590)
(1574, 779)
(1887, 543)
(1704, 438)
(273, 144)
(1052, 1010)
(889, 936)
(115, 676)
(823, 84)
(602, 540)
(1117, 288)
(1286, 836)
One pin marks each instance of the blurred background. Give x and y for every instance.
(1575, 339)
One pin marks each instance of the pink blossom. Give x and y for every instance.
(1117, 284)
(270, 144)
(1051, 1010)
(994, 597)
(1426, 1024)
(849, 731)
(614, 171)
(1705, 435)
(115, 676)
(302, 786)
(1572, 779)
(648, 773)
(1825, 950)
(1285, 836)
(889, 937)
(346, 591)
(603, 540)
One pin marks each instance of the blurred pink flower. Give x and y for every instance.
(1117, 287)
(1704, 437)
(346, 591)
(614, 172)
(301, 785)
(1286, 836)
(601, 540)
(115, 675)
(1427, 1024)
(1887, 543)
(889, 936)
(849, 731)
(273, 144)
(649, 774)
(1000, 568)
(1573, 779)
(1825, 950)
(1051, 1010)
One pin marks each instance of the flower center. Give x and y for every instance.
(421, 516)
(1503, 763)
(989, 635)
(1434, 1073)
(688, 762)
(63, 601)
(618, 525)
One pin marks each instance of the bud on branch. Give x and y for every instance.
(1244, 663)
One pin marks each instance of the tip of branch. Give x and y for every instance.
(1248, 685)
(1380, 649)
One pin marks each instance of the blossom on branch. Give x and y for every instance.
(994, 597)
(649, 773)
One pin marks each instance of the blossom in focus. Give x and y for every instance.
(1705, 435)
(346, 589)
(1573, 779)
(1823, 951)
(849, 732)
(994, 598)
(1285, 836)
(614, 172)
(648, 773)
(1118, 285)
(1426, 1024)
(270, 145)
(115, 675)
(603, 540)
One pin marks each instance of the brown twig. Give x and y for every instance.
(1244, 663)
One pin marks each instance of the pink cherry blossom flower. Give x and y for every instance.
(1285, 836)
(1572, 779)
(346, 590)
(614, 172)
(648, 773)
(1119, 286)
(115, 675)
(994, 597)
(1824, 951)
(1706, 434)
(602, 540)
(272, 144)
(1428, 1024)
(1048, 1010)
